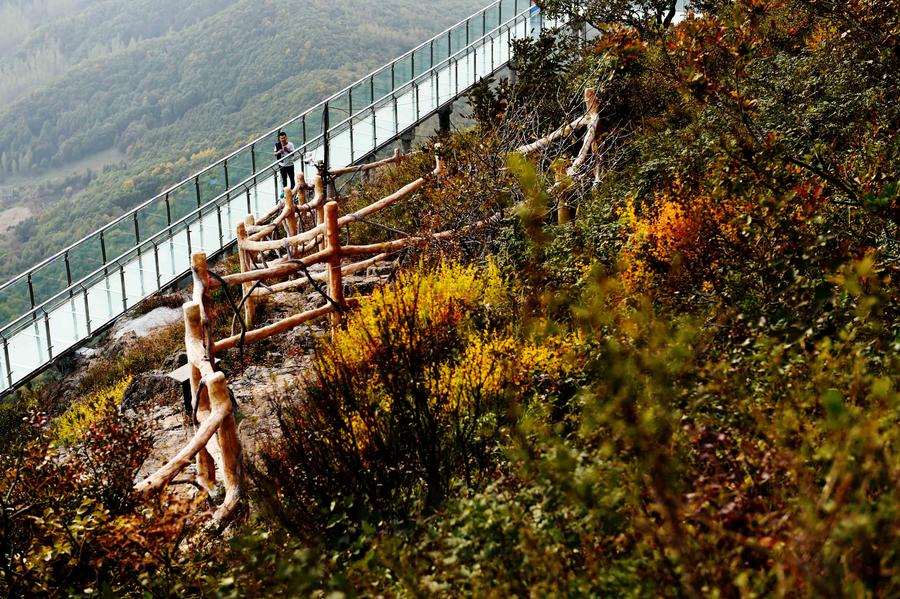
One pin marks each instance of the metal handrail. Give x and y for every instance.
(65, 294)
(195, 176)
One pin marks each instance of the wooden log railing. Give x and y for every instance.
(589, 144)
(213, 410)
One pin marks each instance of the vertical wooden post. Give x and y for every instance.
(300, 190)
(246, 266)
(229, 444)
(290, 220)
(193, 330)
(333, 243)
(319, 199)
(200, 274)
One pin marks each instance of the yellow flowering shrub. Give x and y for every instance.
(77, 419)
(492, 363)
(443, 298)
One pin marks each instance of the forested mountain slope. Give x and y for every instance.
(172, 86)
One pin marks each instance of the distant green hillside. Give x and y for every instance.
(174, 85)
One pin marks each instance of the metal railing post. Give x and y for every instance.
(87, 310)
(168, 213)
(219, 222)
(156, 264)
(124, 293)
(197, 189)
(47, 331)
(68, 269)
(374, 129)
(326, 125)
(350, 105)
(31, 291)
(8, 363)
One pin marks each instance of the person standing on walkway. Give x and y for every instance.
(284, 151)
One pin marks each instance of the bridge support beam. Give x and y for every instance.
(406, 140)
(444, 115)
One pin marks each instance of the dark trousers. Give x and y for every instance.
(287, 171)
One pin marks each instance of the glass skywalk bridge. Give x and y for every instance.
(80, 291)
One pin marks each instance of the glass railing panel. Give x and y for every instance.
(501, 47)
(422, 60)
(205, 233)
(339, 109)
(427, 98)
(48, 280)
(363, 134)
(85, 258)
(152, 219)
(119, 238)
(361, 94)
(534, 23)
(68, 324)
(182, 201)
(522, 28)
(313, 126)
(383, 82)
(403, 71)
(15, 300)
(491, 18)
(441, 48)
(445, 83)
(385, 125)
(104, 301)
(212, 183)
(463, 71)
(406, 109)
(180, 247)
(481, 61)
(458, 39)
(266, 193)
(240, 166)
(475, 27)
(340, 147)
(233, 213)
(28, 348)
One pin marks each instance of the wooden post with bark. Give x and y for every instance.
(319, 198)
(246, 266)
(333, 245)
(291, 224)
(193, 330)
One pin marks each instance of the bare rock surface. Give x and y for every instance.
(147, 323)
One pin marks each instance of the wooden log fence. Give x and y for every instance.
(589, 144)
(211, 402)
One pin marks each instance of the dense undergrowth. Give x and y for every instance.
(689, 390)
